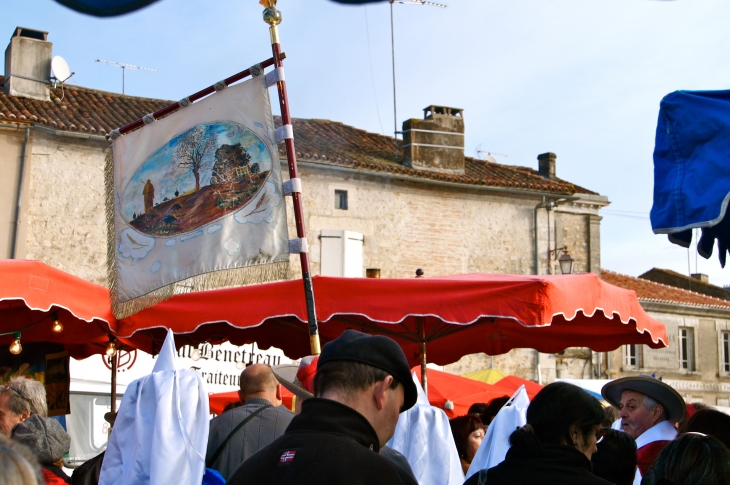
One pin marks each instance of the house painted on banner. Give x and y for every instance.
(697, 361)
(368, 204)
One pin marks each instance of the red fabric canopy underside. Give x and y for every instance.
(219, 400)
(460, 314)
(31, 292)
(442, 387)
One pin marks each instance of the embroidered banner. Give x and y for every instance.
(194, 201)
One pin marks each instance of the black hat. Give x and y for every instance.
(377, 351)
(665, 395)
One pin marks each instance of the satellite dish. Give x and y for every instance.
(60, 70)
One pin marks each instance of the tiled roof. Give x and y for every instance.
(90, 111)
(77, 109)
(649, 291)
(678, 280)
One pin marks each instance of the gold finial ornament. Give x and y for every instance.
(271, 15)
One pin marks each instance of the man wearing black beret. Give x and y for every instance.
(363, 383)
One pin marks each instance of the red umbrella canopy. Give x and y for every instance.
(512, 383)
(462, 392)
(33, 295)
(219, 400)
(453, 315)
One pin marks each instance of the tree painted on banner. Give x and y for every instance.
(194, 151)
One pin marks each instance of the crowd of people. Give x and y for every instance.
(348, 403)
(32, 445)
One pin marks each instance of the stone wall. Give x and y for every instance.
(439, 229)
(11, 149)
(66, 222)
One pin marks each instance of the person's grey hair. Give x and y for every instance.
(17, 464)
(649, 404)
(27, 395)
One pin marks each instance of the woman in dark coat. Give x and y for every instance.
(555, 447)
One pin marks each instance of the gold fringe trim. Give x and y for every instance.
(257, 270)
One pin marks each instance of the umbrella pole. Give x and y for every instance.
(421, 328)
(114, 360)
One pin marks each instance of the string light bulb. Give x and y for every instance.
(57, 325)
(15, 347)
(195, 354)
(111, 349)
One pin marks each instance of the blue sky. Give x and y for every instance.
(581, 78)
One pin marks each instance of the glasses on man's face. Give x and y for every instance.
(16, 391)
(600, 434)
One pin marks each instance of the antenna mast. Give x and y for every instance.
(124, 67)
(392, 48)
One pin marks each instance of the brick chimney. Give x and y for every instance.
(546, 165)
(28, 64)
(701, 277)
(436, 142)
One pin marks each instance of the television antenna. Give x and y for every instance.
(488, 156)
(392, 46)
(124, 67)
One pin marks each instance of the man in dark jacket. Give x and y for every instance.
(239, 433)
(362, 384)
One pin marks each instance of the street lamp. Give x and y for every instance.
(565, 261)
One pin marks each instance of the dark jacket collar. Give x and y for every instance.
(557, 455)
(257, 401)
(326, 416)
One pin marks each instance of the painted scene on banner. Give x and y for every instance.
(198, 177)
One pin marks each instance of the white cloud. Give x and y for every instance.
(231, 247)
(214, 228)
(260, 208)
(134, 245)
(156, 266)
(170, 242)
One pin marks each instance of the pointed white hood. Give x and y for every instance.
(423, 436)
(161, 431)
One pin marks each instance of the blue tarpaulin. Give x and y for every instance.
(111, 8)
(692, 169)
(105, 8)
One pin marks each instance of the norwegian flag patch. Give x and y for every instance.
(287, 456)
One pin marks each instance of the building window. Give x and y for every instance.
(686, 348)
(341, 199)
(633, 356)
(726, 351)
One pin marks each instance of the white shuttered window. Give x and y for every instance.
(341, 253)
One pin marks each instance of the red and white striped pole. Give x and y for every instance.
(273, 17)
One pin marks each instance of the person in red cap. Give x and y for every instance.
(298, 379)
(647, 408)
(362, 383)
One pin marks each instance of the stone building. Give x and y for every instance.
(697, 361)
(368, 203)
